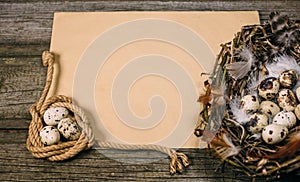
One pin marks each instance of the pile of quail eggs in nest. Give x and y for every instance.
(60, 126)
(274, 111)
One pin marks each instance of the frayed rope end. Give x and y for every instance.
(178, 161)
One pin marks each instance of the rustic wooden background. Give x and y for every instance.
(25, 31)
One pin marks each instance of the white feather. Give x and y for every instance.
(240, 69)
(239, 115)
(254, 83)
(255, 136)
(226, 152)
(281, 64)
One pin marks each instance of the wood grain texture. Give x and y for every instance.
(93, 165)
(25, 31)
(21, 81)
(113, 165)
(30, 23)
(97, 165)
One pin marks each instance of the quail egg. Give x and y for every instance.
(297, 111)
(250, 103)
(288, 78)
(274, 133)
(49, 135)
(268, 88)
(287, 100)
(53, 115)
(269, 108)
(256, 122)
(69, 129)
(285, 118)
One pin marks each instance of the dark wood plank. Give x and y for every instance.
(14, 124)
(21, 81)
(13, 136)
(13, 50)
(95, 165)
(30, 23)
(16, 163)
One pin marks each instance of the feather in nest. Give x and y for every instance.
(227, 150)
(240, 69)
(253, 84)
(281, 64)
(239, 115)
(278, 21)
(286, 38)
(286, 34)
(255, 136)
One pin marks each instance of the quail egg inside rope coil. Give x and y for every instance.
(53, 115)
(49, 135)
(69, 129)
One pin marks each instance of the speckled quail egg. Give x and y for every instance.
(269, 108)
(53, 115)
(249, 103)
(286, 100)
(297, 111)
(49, 135)
(298, 93)
(256, 122)
(268, 88)
(285, 118)
(288, 78)
(274, 133)
(69, 129)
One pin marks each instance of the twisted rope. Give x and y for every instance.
(66, 150)
(176, 157)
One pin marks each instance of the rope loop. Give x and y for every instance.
(66, 150)
(48, 58)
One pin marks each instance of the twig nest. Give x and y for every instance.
(286, 100)
(288, 78)
(261, 60)
(274, 133)
(49, 135)
(269, 108)
(250, 103)
(256, 122)
(69, 129)
(269, 88)
(53, 115)
(285, 118)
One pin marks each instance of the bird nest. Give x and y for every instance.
(251, 113)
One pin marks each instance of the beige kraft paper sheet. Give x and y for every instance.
(138, 74)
